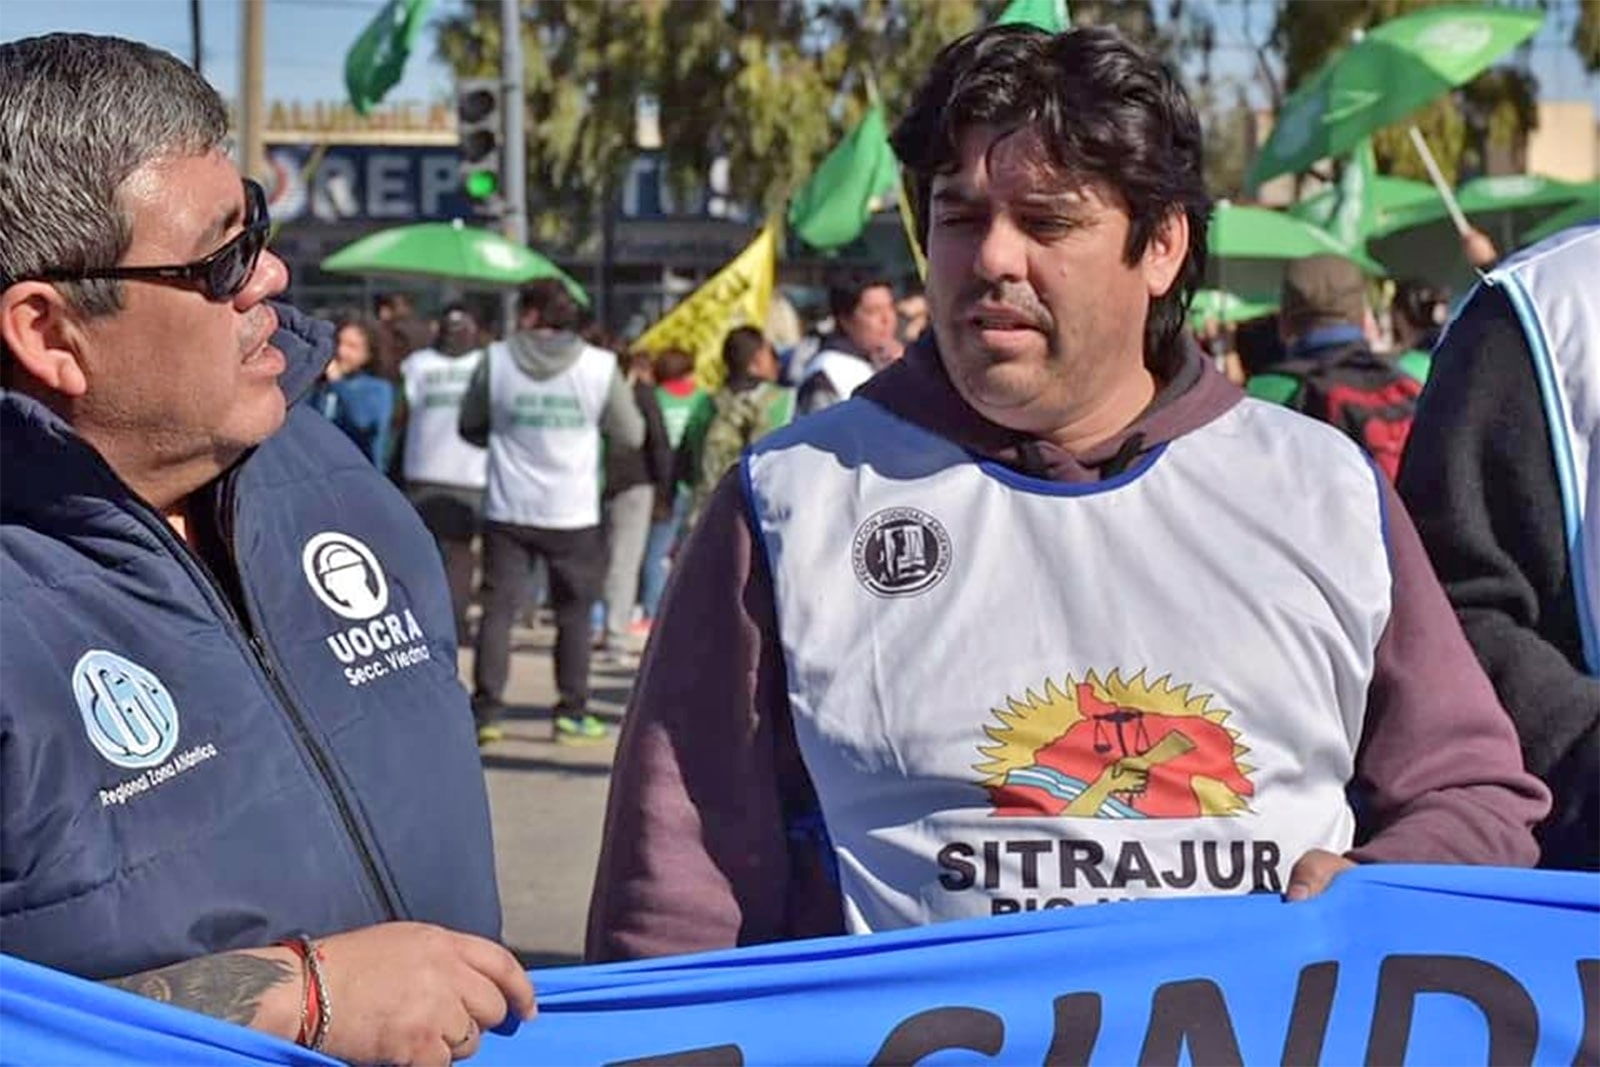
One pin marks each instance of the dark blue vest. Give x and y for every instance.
(177, 780)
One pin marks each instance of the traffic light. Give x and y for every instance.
(479, 125)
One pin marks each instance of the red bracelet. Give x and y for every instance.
(314, 1010)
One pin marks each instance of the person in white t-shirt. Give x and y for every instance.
(444, 473)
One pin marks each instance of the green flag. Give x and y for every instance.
(375, 62)
(833, 207)
(1048, 15)
(1348, 211)
(1353, 211)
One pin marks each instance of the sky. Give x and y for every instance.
(305, 47)
(307, 39)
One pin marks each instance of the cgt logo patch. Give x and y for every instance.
(900, 552)
(129, 715)
(1115, 749)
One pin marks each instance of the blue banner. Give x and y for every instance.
(1417, 965)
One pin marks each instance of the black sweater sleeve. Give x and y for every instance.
(657, 448)
(1479, 479)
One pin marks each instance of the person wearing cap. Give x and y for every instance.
(1048, 612)
(1330, 371)
(237, 770)
(1501, 474)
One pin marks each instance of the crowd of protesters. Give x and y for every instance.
(1033, 487)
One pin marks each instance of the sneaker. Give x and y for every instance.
(491, 732)
(639, 627)
(580, 729)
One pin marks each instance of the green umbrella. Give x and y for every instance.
(1227, 308)
(1512, 209)
(448, 251)
(1524, 199)
(1393, 70)
(1510, 192)
(1248, 247)
(1392, 198)
(1585, 210)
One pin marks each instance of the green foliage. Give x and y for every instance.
(770, 84)
(1586, 34)
(1446, 133)
(773, 85)
(1229, 130)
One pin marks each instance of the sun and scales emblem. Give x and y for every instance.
(1115, 748)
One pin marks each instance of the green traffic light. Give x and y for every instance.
(482, 184)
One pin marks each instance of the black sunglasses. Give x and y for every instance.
(219, 276)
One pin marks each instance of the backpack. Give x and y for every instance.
(1370, 399)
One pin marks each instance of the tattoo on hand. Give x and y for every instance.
(227, 986)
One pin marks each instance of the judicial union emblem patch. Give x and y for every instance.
(901, 552)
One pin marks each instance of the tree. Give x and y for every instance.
(585, 68)
(769, 84)
(1229, 132)
(1586, 34)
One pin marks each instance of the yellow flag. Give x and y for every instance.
(737, 295)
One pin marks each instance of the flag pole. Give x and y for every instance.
(908, 219)
(1463, 227)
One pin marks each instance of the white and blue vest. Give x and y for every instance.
(544, 441)
(435, 450)
(845, 373)
(1555, 288)
(1015, 694)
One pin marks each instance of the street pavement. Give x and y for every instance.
(548, 802)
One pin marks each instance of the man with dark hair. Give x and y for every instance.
(862, 342)
(1330, 372)
(911, 312)
(540, 402)
(229, 716)
(750, 405)
(1048, 613)
(445, 474)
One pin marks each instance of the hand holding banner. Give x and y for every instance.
(1391, 965)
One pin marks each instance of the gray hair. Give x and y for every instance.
(80, 114)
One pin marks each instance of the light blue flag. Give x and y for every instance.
(1391, 965)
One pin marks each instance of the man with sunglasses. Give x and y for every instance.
(237, 771)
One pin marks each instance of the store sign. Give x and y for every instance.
(347, 183)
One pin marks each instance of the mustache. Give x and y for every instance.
(1018, 297)
(263, 323)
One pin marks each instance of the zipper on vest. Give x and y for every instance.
(319, 759)
(257, 654)
(268, 665)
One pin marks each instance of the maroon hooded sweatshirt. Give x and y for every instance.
(704, 841)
